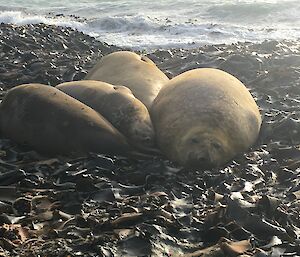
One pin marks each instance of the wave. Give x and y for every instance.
(21, 18)
(148, 31)
(256, 11)
(134, 23)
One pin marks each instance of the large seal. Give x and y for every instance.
(204, 117)
(119, 106)
(136, 72)
(54, 123)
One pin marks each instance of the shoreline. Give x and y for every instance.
(91, 49)
(112, 206)
(179, 29)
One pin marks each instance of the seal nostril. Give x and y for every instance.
(203, 162)
(147, 139)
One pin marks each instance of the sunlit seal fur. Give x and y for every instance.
(54, 123)
(119, 106)
(204, 117)
(129, 69)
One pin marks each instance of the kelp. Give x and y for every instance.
(100, 205)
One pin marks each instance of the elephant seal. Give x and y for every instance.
(119, 106)
(54, 123)
(204, 117)
(129, 69)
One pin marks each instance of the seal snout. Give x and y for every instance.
(202, 160)
(204, 150)
(143, 133)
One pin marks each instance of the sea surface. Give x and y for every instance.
(151, 24)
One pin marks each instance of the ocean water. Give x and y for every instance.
(163, 23)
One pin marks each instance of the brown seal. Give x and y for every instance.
(204, 117)
(129, 69)
(119, 106)
(52, 122)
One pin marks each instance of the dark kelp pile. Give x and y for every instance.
(112, 206)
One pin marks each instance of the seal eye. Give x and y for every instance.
(216, 145)
(194, 141)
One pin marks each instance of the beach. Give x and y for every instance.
(113, 206)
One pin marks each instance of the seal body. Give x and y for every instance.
(204, 117)
(119, 106)
(52, 122)
(128, 69)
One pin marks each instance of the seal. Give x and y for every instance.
(204, 117)
(54, 123)
(119, 106)
(129, 69)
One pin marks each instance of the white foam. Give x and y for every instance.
(166, 24)
(21, 18)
